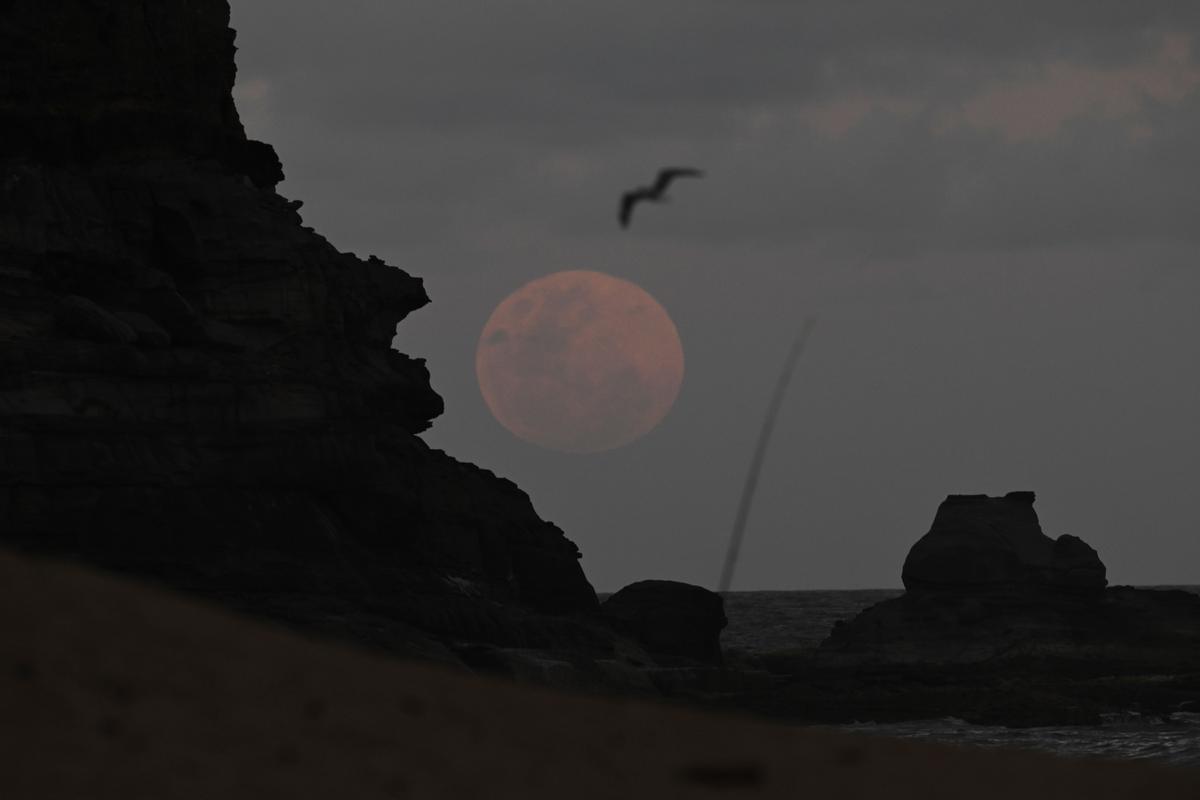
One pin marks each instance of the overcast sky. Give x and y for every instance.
(992, 208)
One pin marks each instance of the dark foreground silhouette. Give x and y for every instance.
(198, 388)
(112, 691)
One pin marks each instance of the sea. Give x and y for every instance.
(785, 620)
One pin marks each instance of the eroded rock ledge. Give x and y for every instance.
(196, 387)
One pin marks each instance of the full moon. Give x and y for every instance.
(579, 361)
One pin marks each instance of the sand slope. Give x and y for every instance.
(109, 689)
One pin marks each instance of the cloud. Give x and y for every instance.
(1037, 106)
(887, 127)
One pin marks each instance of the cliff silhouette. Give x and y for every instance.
(197, 388)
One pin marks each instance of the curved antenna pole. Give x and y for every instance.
(760, 452)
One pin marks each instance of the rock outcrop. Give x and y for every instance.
(986, 583)
(980, 543)
(999, 625)
(669, 618)
(196, 387)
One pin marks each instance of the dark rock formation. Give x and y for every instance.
(670, 618)
(985, 583)
(979, 542)
(1000, 624)
(194, 386)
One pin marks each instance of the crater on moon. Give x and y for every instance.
(579, 361)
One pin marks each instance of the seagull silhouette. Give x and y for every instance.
(655, 193)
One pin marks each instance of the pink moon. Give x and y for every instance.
(579, 362)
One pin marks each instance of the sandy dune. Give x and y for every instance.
(109, 689)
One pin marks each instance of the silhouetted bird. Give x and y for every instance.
(655, 193)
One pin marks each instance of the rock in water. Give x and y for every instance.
(670, 618)
(194, 386)
(986, 542)
(986, 585)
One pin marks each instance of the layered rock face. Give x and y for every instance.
(195, 386)
(981, 542)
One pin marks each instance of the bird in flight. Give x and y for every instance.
(655, 193)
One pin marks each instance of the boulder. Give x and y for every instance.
(981, 542)
(670, 618)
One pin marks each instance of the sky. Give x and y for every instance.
(992, 209)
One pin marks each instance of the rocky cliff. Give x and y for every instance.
(196, 387)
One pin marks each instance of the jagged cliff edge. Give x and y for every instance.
(196, 387)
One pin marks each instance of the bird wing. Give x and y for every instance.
(668, 174)
(628, 201)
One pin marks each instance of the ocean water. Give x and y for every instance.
(783, 620)
(766, 621)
